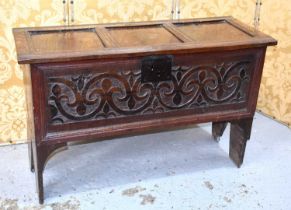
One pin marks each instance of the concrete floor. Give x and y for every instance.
(180, 170)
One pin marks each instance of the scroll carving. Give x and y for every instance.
(94, 96)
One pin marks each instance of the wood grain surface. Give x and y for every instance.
(85, 83)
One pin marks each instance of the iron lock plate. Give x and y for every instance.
(156, 68)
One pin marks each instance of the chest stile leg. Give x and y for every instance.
(240, 132)
(218, 130)
(41, 155)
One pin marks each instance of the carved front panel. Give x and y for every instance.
(103, 95)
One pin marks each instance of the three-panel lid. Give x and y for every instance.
(53, 44)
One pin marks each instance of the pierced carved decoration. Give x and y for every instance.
(96, 96)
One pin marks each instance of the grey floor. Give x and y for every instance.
(182, 170)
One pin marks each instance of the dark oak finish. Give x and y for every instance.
(240, 132)
(218, 129)
(94, 82)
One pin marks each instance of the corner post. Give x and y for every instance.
(218, 129)
(240, 132)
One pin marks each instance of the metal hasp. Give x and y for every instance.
(156, 68)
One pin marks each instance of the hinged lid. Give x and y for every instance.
(53, 44)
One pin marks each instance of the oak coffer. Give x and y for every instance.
(94, 82)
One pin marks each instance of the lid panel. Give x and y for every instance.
(212, 31)
(50, 41)
(133, 36)
(124, 40)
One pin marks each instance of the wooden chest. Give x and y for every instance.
(100, 81)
